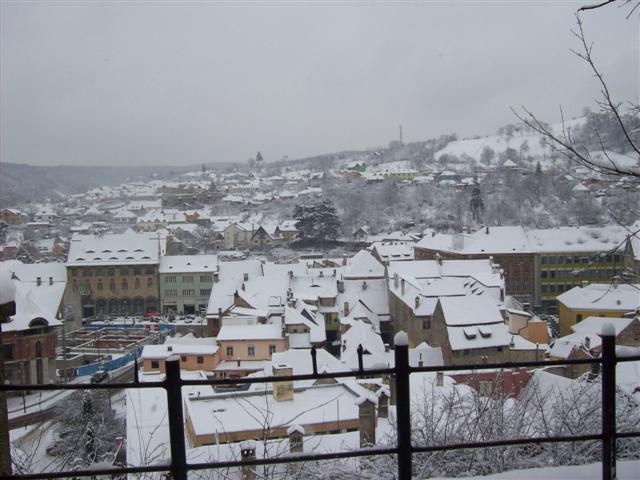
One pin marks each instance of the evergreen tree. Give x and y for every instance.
(317, 222)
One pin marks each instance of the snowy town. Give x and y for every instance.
(294, 302)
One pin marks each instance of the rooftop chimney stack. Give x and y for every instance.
(38, 281)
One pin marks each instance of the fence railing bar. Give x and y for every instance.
(363, 452)
(403, 406)
(310, 376)
(506, 443)
(176, 418)
(608, 404)
(627, 434)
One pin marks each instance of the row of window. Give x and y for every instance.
(551, 260)
(556, 288)
(112, 285)
(188, 279)
(569, 274)
(251, 351)
(187, 292)
(110, 272)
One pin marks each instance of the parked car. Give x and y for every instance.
(99, 376)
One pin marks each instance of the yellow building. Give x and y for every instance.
(596, 300)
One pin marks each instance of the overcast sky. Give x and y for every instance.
(177, 83)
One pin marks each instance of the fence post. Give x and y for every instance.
(403, 405)
(608, 402)
(173, 386)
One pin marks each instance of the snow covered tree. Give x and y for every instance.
(86, 427)
(476, 203)
(317, 222)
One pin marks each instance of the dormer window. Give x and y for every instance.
(470, 332)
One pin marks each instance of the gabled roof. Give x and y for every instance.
(363, 265)
(470, 310)
(602, 296)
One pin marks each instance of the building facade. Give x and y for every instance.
(186, 282)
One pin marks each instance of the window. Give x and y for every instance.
(149, 281)
(7, 351)
(544, 274)
(229, 351)
(200, 360)
(86, 273)
(187, 278)
(465, 352)
(170, 279)
(552, 274)
(155, 364)
(124, 271)
(171, 293)
(137, 271)
(272, 349)
(149, 271)
(125, 285)
(578, 318)
(426, 324)
(188, 292)
(205, 291)
(111, 272)
(100, 286)
(137, 283)
(183, 358)
(251, 351)
(486, 388)
(112, 285)
(206, 278)
(74, 273)
(544, 260)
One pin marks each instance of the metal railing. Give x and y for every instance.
(404, 450)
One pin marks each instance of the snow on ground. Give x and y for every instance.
(498, 143)
(627, 470)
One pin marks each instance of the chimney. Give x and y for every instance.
(242, 286)
(439, 379)
(439, 258)
(367, 420)
(386, 347)
(345, 309)
(216, 277)
(486, 230)
(340, 286)
(587, 342)
(417, 301)
(248, 453)
(344, 260)
(39, 281)
(283, 391)
(585, 283)
(246, 277)
(364, 285)
(290, 274)
(169, 348)
(50, 280)
(402, 287)
(296, 435)
(334, 273)
(395, 280)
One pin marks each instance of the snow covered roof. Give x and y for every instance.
(35, 303)
(577, 239)
(249, 332)
(602, 296)
(363, 265)
(470, 310)
(188, 263)
(166, 350)
(362, 333)
(489, 240)
(483, 336)
(115, 249)
(594, 324)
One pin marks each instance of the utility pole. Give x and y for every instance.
(400, 137)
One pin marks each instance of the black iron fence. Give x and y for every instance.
(404, 450)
